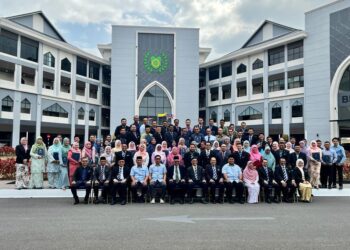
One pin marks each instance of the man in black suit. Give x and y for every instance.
(196, 179)
(119, 179)
(241, 157)
(177, 128)
(297, 154)
(285, 179)
(212, 127)
(267, 182)
(133, 135)
(192, 153)
(281, 153)
(215, 180)
(205, 155)
(153, 127)
(122, 125)
(82, 179)
(251, 137)
(159, 136)
(122, 136)
(165, 128)
(222, 155)
(125, 155)
(136, 122)
(101, 180)
(171, 136)
(176, 179)
(200, 126)
(261, 141)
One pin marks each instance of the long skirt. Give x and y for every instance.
(305, 191)
(63, 178)
(253, 192)
(36, 180)
(54, 179)
(315, 169)
(22, 176)
(72, 168)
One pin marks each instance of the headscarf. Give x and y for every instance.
(271, 161)
(164, 145)
(249, 173)
(55, 147)
(254, 154)
(160, 153)
(216, 146)
(170, 159)
(117, 146)
(65, 148)
(314, 149)
(300, 168)
(275, 146)
(109, 156)
(88, 151)
(38, 145)
(246, 146)
(289, 147)
(234, 146)
(142, 151)
(73, 147)
(131, 146)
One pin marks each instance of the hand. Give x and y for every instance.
(274, 182)
(265, 182)
(25, 161)
(204, 181)
(73, 182)
(106, 182)
(115, 180)
(190, 180)
(211, 181)
(171, 180)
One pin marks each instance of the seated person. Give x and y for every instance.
(267, 181)
(82, 180)
(139, 177)
(285, 179)
(251, 181)
(215, 180)
(157, 173)
(233, 179)
(302, 179)
(196, 179)
(119, 178)
(176, 179)
(101, 181)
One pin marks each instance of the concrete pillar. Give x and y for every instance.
(16, 122)
(266, 117)
(39, 83)
(86, 129)
(73, 119)
(286, 117)
(266, 93)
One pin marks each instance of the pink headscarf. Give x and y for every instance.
(88, 151)
(254, 154)
(249, 173)
(142, 151)
(174, 151)
(234, 146)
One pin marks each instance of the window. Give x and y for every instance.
(227, 115)
(276, 55)
(202, 77)
(226, 69)
(91, 115)
(49, 60)
(7, 104)
(80, 88)
(214, 116)
(296, 79)
(276, 111)
(81, 114)
(106, 74)
(202, 98)
(81, 66)
(250, 114)
(226, 92)
(7, 71)
(29, 49)
(106, 96)
(241, 88)
(214, 94)
(94, 70)
(297, 109)
(66, 65)
(258, 86)
(105, 117)
(241, 68)
(8, 42)
(295, 50)
(214, 72)
(28, 76)
(55, 110)
(65, 84)
(25, 106)
(48, 80)
(93, 91)
(258, 64)
(276, 82)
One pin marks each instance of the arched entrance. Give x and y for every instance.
(155, 103)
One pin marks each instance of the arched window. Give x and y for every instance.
(55, 110)
(241, 68)
(66, 65)
(25, 106)
(276, 111)
(49, 59)
(7, 104)
(155, 104)
(227, 115)
(214, 116)
(344, 98)
(297, 109)
(81, 114)
(258, 64)
(92, 115)
(250, 114)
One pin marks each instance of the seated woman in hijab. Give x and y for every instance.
(246, 146)
(132, 148)
(159, 151)
(271, 161)
(108, 154)
(302, 179)
(255, 156)
(251, 181)
(170, 159)
(143, 153)
(234, 146)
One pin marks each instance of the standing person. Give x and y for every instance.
(315, 157)
(255, 156)
(22, 160)
(329, 158)
(174, 153)
(74, 156)
(268, 156)
(54, 163)
(133, 135)
(241, 157)
(82, 179)
(297, 154)
(117, 146)
(122, 125)
(125, 155)
(338, 166)
(132, 148)
(109, 156)
(251, 181)
(89, 152)
(139, 179)
(38, 155)
(192, 153)
(233, 178)
(302, 179)
(246, 146)
(63, 174)
(143, 153)
(157, 173)
(182, 147)
(159, 151)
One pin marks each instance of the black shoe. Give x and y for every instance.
(231, 201)
(172, 202)
(329, 187)
(276, 200)
(334, 186)
(242, 201)
(86, 201)
(190, 201)
(268, 201)
(96, 201)
(113, 202)
(340, 187)
(182, 201)
(76, 201)
(123, 202)
(221, 201)
(203, 201)
(213, 201)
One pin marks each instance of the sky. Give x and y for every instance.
(224, 24)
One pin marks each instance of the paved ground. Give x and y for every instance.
(57, 224)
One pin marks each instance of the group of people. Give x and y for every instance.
(167, 159)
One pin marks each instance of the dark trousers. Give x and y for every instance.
(177, 189)
(213, 186)
(288, 191)
(81, 185)
(268, 190)
(238, 188)
(337, 169)
(326, 175)
(121, 189)
(157, 185)
(104, 187)
(197, 184)
(138, 185)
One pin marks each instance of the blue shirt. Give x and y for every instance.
(139, 173)
(157, 172)
(233, 172)
(329, 156)
(341, 157)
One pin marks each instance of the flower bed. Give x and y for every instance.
(7, 151)
(7, 163)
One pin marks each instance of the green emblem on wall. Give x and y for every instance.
(155, 63)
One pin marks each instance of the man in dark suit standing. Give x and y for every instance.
(267, 182)
(177, 128)
(205, 155)
(119, 179)
(171, 136)
(192, 153)
(297, 154)
(200, 126)
(251, 137)
(125, 155)
(176, 179)
(215, 180)
(82, 179)
(281, 153)
(101, 180)
(285, 179)
(222, 155)
(241, 157)
(261, 141)
(122, 136)
(122, 125)
(133, 135)
(212, 127)
(158, 135)
(196, 179)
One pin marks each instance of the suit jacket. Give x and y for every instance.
(128, 158)
(159, 138)
(209, 172)
(279, 174)
(241, 160)
(263, 175)
(201, 129)
(177, 130)
(277, 154)
(222, 160)
(123, 138)
(131, 137)
(253, 140)
(78, 174)
(171, 137)
(188, 157)
(204, 159)
(98, 170)
(117, 130)
(299, 177)
(170, 173)
(115, 171)
(214, 129)
(200, 173)
(293, 158)
(22, 154)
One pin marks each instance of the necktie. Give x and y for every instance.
(223, 155)
(267, 174)
(208, 153)
(215, 176)
(119, 177)
(102, 174)
(195, 173)
(123, 154)
(177, 176)
(285, 176)
(208, 138)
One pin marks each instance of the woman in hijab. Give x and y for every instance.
(109, 156)
(234, 146)
(315, 156)
(117, 146)
(64, 181)
(74, 156)
(271, 161)
(246, 146)
(182, 147)
(132, 148)
(38, 155)
(303, 147)
(302, 179)
(89, 152)
(143, 153)
(255, 156)
(251, 181)
(159, 151)
(289, 147)
(216, 146)
(170, 159)
(54, 163)
(22, 160)
(165, 148)
(151, 147)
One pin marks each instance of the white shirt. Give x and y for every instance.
(174, 175)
